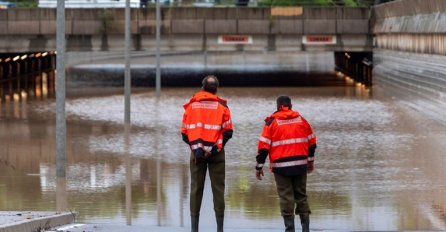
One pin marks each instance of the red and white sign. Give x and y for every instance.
(319, 39)
(234, 39)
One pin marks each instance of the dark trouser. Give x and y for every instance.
(216, 165)
(292, 191)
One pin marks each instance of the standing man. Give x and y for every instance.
(207, 127)
(289, 140)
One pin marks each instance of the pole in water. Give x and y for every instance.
(127, 77)
(127, 83)
(60, 92)
(158, 32)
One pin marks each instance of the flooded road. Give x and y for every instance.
(379, 165)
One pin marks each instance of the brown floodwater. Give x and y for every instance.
(379, 165)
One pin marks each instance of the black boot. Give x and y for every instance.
(220, 224)
(289, 223)
(305, 222)
(194, 223)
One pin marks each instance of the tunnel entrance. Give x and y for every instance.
(357, 65)
(24, 75)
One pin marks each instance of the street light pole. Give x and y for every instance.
(60, 92)
(127, 86)
(158, 32)
(127, 77)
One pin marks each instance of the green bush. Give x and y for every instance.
(25, 3)
(297, 3)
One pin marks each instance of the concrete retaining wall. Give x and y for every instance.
(416, 80)
(85, 26)
(411, 25)
(409, 59)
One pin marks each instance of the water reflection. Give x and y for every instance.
(369, 174)
(61, 194)
(128, 176)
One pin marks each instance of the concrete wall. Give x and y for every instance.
(411, 25)
(409, 58)
(34, 29)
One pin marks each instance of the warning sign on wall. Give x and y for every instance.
(234, 39)
(319, 39)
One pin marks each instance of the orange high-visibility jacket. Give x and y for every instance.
(287, 137)
(205, 121)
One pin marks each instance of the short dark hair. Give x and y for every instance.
(210, 86)
(284, 101)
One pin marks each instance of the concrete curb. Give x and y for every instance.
(38, 221)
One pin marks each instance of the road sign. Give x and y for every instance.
(319, 39)
(234, 39)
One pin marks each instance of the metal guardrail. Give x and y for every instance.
(90, 3)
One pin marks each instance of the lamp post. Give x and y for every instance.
(60, 92)
(158, 32)
(127, 77)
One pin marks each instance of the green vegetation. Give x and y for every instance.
(347, 3)
(25, 3)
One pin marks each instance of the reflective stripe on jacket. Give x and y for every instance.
(287, 137)
(205, 119)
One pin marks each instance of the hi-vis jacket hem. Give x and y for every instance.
(206, 121)
(289, 163)
(286, 137)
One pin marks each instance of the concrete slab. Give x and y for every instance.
(145, 228)
(18, 221)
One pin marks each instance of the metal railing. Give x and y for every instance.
(90, 3)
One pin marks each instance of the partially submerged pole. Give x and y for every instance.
(127, 77)
(60, 92)
(127, 86)
(158, 32)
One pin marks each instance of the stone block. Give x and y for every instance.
(119, 27)
(253, 13)
(221, 26)
(353, 26)
(48, 27)
(86, 27)
(319, 26)
(187, 26)
(48, 14)
(284, 26)
(23, 27)
(3, 22)
(3, 15)
(220, 13)
(184, 12)
(23, 14)
(253, 26)
(146, 27)
(320, 13)
(352, 13)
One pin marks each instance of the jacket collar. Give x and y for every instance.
(204, 96)
(284, 113)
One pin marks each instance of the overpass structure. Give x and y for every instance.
(407, 38)
(191, 29)
(409, 53)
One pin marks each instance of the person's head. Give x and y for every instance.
(283, 101)
(210, 84)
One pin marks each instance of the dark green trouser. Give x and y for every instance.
(216, 165)
(292, 191)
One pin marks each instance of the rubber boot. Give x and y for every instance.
(289, 223)
(194, 224)
(220, 224)
(305, 222)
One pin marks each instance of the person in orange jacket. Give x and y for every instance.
(206, 128)
(290, 142)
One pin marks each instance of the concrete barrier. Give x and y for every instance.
(409, 56)
(33, 221)
(25, 25)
